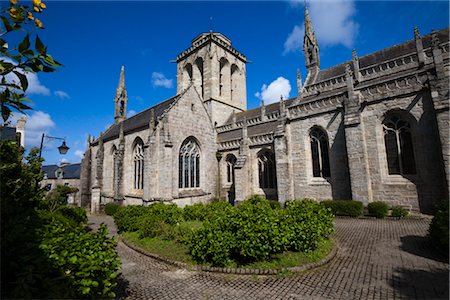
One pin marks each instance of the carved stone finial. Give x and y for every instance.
(151, 123)
(354, 55)
(348, 70)
(263, 110)
(434, 39)
(416, 32)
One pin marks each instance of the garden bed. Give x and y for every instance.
(252, 236)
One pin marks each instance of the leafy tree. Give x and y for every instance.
(16, 61)
(58, 197)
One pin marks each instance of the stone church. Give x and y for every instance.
(375, 128)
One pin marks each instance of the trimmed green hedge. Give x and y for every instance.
(378, 209)
(345, 207)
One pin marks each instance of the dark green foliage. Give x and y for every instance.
(345, 207)
(398, 212)
(128, 218)
(255, 231)
(378, 209)
(195, 212)
(28, 230)
(77, 214)
(439, 227)
(88, 261)
(305, 224)
(58, 197)
(111, 208)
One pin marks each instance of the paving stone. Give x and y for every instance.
(377, 259)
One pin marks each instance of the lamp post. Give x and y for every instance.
(62, 149)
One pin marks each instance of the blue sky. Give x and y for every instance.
(93, 39)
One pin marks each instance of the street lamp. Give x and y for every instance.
(62, 149)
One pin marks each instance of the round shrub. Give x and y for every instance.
(305, 223)
(128, 218)
(111, 208)
(439, 227)
(159, 220)
(257, 233)
(378, 209)
(345, 207)
(195, 212)
(399, 212)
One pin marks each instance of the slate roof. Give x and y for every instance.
(382, 55)
(138, 121)
(71, 171)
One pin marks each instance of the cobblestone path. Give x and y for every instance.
(377, 259)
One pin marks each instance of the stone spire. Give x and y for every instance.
(299, 83)
(310, 45)
(121, 99)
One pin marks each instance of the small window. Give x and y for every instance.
(66, 184)
(319, 152)
(48, 187)
(59, 174)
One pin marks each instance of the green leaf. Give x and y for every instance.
(25, 44)
(8, 26)
(40, 47)
(23, 80)
(6, 112)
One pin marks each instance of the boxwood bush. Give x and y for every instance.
(111, 208)
(398, 212)
(194, 212)
(255, 231)
(439, 227)
(378, 209)
(345, 207)
(128, 218)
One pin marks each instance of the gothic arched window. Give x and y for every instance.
(138, 159)
(266, 170)
(189, 164)
(399, 145)
(231, 160)
(319, 152)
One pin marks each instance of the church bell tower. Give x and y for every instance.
(121, 99)
(218, 73)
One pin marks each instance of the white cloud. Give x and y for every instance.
(34, 85)
(131, 113)
(79, 153)
(158, 79)
(37, 124)
(62, 94)
(280, 87)
(332, 21)
(294, 41)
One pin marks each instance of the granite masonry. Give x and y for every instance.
(375, 128)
